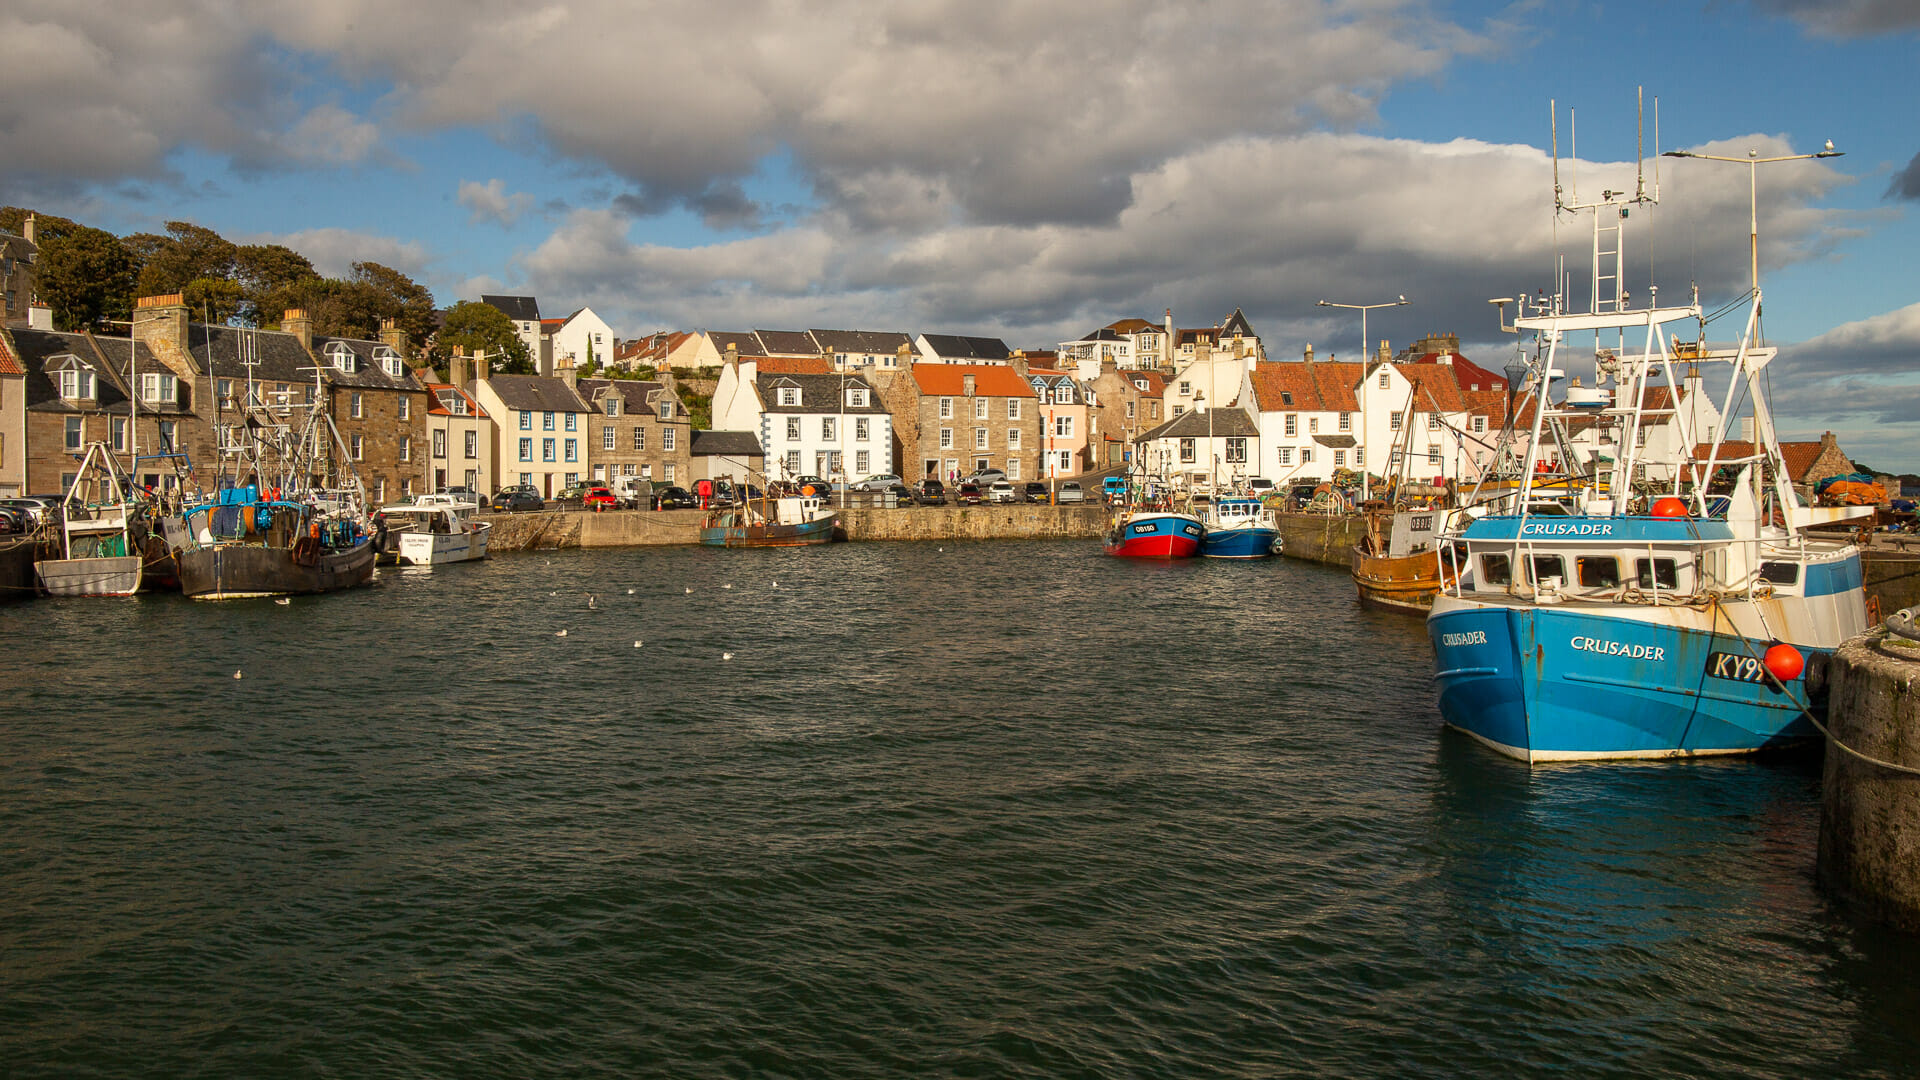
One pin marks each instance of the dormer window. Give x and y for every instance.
(340, 356)
(1063, 394)
(613, 406)
(857, 397)
(390, 361)
(74, 377)
(666, 408)
(789, 396)
(158, 388)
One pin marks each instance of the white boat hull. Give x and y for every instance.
(113, 576)
(434, 549)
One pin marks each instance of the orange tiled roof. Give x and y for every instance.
(1436, 389)
(1156, 382)
(989, 380)
(9, 363)
(793, 365)
(434, 390)
(1800, 455)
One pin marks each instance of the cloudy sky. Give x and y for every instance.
(1027, 168)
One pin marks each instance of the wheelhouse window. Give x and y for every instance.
(1548, 566)
(1597, 571)
(1780, 573)
(1496, 570)
(1657, 573)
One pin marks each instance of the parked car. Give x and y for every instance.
(1114, 488)
(467, 494)
(969, 494)
(903, 494)
(515, 499)
(933, 493)
(1001, 492)
(39, 508)
(984, 477)
(1036, 491)
(599, 498)
(819, 486)
(633, 492)
(675, 498)
(877, 482)
(1259, 485)
(1069, 493)
(14, 521)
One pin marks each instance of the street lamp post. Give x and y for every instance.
(1753, 161)
(1364, 346)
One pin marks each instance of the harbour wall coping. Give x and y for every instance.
(1870, 815)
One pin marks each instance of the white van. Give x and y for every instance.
(633, 492)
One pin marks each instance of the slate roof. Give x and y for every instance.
(726, 444)
(517, 308)
(636, 395)
(1338, 442)
(1237, 324)
(1053, 380)
(114, 351)
(818, 394)
(1133, 326)
(744, 340)
(537, 393)
(1105, 333)
(38, 347)
(989, 380)
(864, 341)
(788, 342)
(368, 373)
(961, 347)
(1226, 423)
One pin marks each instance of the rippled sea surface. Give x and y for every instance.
(977, 810)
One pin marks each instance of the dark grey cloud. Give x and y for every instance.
(1906, 182)
(1847, 18)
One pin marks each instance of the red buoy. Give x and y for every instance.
(1669, 507)
(1785, 662)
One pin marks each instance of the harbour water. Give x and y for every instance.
(1008, 809)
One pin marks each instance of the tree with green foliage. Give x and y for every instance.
(215, 300)
(168, 264)
(46, 227)
(474, 326)
(411, 303)
(86, 275)
(265, 272)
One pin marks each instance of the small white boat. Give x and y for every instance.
(101, 538)
(435, 529)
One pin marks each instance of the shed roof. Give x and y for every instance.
(726, 444)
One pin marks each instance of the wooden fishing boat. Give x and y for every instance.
(245, 546)
(785, 522)
(1397, 564)
(99, 543)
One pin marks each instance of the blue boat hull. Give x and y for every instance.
(1250, 543)
(1544, 684)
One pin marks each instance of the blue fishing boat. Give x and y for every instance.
(1673, 606)
(1240, 527)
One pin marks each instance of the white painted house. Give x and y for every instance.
(833, 425)
(580, 337)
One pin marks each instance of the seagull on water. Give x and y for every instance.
(236, 674)
(689, 590)
(629, 592)
(723, 656)
(636, 644)
(729, 586)
(589, 601)
(559, 633)
(282, 601)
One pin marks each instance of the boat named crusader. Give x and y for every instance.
(1675, 610)
(792, 521)
(1239, 527)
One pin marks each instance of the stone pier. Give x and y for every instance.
(1325, 538)
(1870, 815)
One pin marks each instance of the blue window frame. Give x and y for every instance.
(526, 420)
(526, 449)
(546, 449)
(571, 419)
(572, 453)
(546, 421)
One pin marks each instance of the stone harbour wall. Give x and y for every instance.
(1324, 538)
(643, 528)
(1870, 814)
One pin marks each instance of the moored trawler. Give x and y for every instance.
(1155, 534)
(247, 546)
(1239, 527)
(782, 522)
(1663, 617)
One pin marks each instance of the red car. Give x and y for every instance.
(599, 498)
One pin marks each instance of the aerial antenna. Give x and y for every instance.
(1639, 143)
(1554, 126)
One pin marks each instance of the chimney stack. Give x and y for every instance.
(482, 365)
(1309, 353)
(161, 322)
(28, 229)
(391, 334)
(568, 372)
(457, 367)
(39, 316)
(298, 323)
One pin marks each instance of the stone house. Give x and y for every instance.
(1122, 405)
(1210, 364)
(1808, 463)
(833, 426)
(966, 417)
(73, 391)
(637, 428)
(540, 430)
(866, 350)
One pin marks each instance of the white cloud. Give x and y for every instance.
(491, 202)
(334, 251)
(330, 136)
